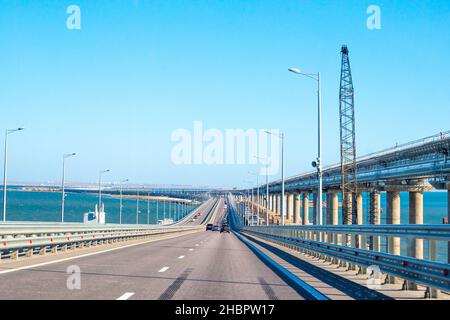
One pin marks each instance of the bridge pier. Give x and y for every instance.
(375, 218)
(359, 219)
(415, 246)
(305, 208)
(297, 218)
(271, 202)
(393, 217)
(315, 200)
(278, 197)
(289, 208)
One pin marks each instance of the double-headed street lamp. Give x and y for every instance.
(318, 163)
(281, 136)
(100, 188)
(63, 196)
(5, 168)
(120, 202)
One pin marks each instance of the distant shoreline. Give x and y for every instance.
(125, 196)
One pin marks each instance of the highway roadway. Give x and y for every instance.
(203, 265)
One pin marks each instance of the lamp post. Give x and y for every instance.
(120, 201)
(281, 136)
(5, 168)
(148, 207)
(137, 206)
(100, 187)
(318, 163)
(63, 196)
(257, 198)
(267, 188)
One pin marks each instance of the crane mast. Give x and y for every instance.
(347, 139)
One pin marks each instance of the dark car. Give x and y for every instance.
(215, 228)
(209, 226)
(225, 228)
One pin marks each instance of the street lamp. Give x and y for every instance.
(65, 156)
(5, 168)
(148, 207)
(281, 136)
(120, 201)
(267, 188)
(257, 197)
(318, 163)
(100, 188)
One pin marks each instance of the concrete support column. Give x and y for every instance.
(393, 217)
(290, 207)
(415, 246)
(315, 200)
(375, 217)
(284, 207)
(305, 207)
(278, 196)
(297, 218)
(448, 219)
(359, 218)
(328, 209)
(416, 217)
(270, 202)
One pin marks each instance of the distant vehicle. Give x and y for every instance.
(225, 228)
(209, 226)
(215, 228)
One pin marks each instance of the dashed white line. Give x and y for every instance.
(196, 244)
(163, 269)
(180, 257)
(191, 249)
(126, 296)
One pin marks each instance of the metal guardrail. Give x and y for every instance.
(26, 239)
(46, 241)
(428, 273)
(426, 232)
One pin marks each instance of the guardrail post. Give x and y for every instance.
(29, 252)
(14, 255)
(432, 292)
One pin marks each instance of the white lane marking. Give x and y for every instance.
(180, 257)
(196, 244)
(191, 249)
(82, 255)
(163, 269)
(126, 296)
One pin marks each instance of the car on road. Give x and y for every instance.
(215, 228)
(225, 228)
(209, 226)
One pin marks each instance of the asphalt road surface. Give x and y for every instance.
(203, 265)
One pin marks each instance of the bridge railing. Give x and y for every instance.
(359, 245)
(15, 243)
(25, 239)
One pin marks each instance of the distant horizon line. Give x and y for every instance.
(109, 184)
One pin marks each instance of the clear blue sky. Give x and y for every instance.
(115, 90)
